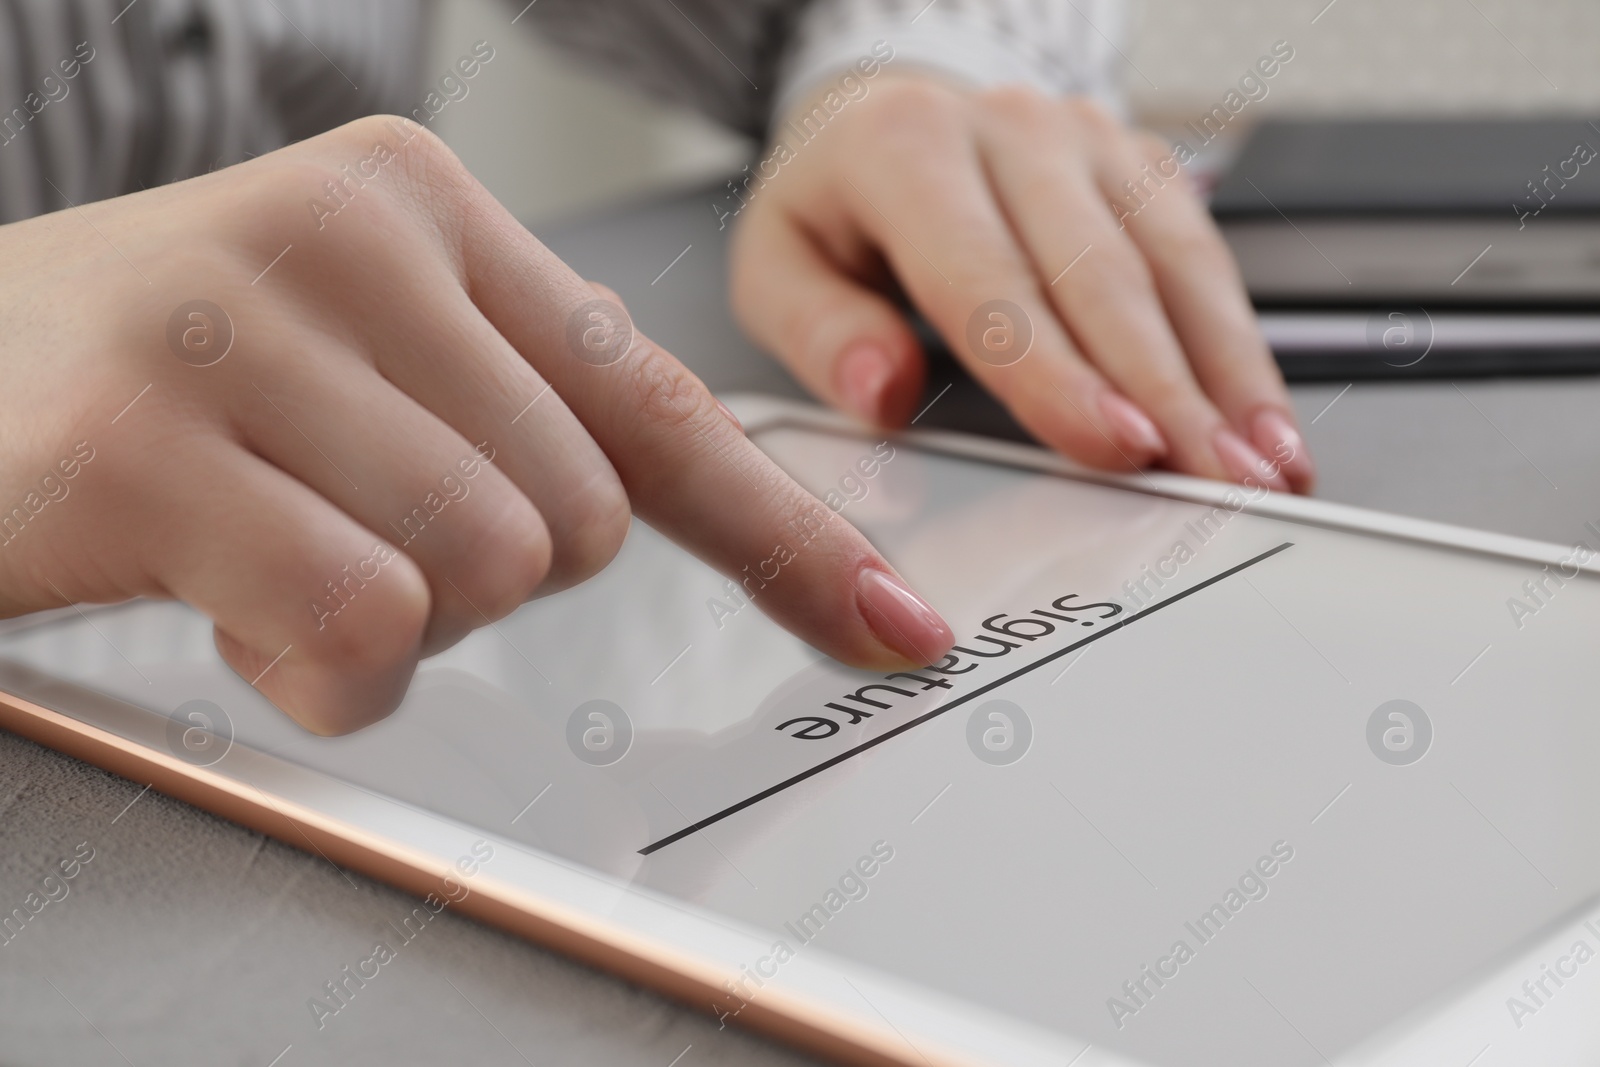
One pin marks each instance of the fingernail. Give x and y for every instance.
(1244, 464)
(863, 376)
(729, 413)
(1137, 433)
(901, 619)
(1277, 437)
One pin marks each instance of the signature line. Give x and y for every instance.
(957, 702)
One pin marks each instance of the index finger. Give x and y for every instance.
(688, 469)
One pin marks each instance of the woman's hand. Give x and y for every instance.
(1112, 323)
(340, 401)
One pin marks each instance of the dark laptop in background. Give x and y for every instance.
(1420, 248)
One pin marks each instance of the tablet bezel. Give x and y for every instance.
(678, 949)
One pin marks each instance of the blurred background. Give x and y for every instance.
(580, 143)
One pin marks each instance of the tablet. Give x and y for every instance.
(1212, 776)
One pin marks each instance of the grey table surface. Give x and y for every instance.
(187, 939)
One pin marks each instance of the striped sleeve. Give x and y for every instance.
(717, 56)
(104, 97)
(742, 62)
(1055, 46)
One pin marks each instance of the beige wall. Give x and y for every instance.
(551, 140)
(1437, 56)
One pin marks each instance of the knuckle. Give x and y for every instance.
(346, 191)
(593, 531)
(1092, 115)
(662, 390)
(509, 557)
(360, 132)
(1019, 103)
(392, 615)
(910, 112)
(431, 165)
(406, 137)
(426, 176)
(915, 96)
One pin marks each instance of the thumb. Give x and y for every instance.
(845, 342)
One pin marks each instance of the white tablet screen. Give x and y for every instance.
(1198, 786)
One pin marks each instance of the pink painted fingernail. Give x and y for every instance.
(863, 376)
(901, 619)
(1278, 439)
(1244, 464)
(1137, 433)
(729, 413)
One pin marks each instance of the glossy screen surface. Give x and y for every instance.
(1239, 790)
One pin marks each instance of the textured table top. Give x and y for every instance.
(186, 939)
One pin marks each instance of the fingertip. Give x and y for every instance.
(283, 685)
(1083, 430)
(349, 673)
(878, 381)
(1277, 437)
(902, 621)
(862, 376)
(1244, 464)
(1135, 432)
